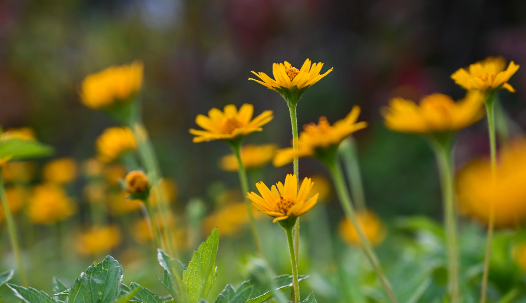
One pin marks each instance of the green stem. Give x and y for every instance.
(12, 232)
(445, 164)
(293, 259)
(236, 147)
(349, 155)
(294, 124)
(366, 246)
(154, 225)
(490, 106)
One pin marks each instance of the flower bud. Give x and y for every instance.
(136, 182)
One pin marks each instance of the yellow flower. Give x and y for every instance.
(142, 231)
(24, 133)
(323, 136)
(519, 255)
(49, 204)
(168, 187)
(229, 124)
(60, 171)
(93, 168)
(437, 113)
(477, 192)
(118, 204)
(19, 171)
(321, 186)
(114, 142)
(486, 75)
(285, 201)
(253, 156)
(114, 85)
(94, 192)
(136, 182)
(229, 220)
(16, 198)
(372, 226)
(290, 82)
(113, 173)
(98, 240)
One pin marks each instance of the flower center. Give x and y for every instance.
(230, 124)
(283, 205)
(292, 72)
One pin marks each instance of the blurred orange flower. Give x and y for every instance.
(49, 204)
(229, 220)
(118, 204)
(373, 229)
(114, 142)
(488, 74)
(253, 156)
(98, 240)
(60, 171)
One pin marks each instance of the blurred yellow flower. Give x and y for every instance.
(286, 76)
(373, 229)
(92, 168)
(253, 156)
(229, 124)
(16, 197)
(136, 182)
(19, 171)
(24, 133)
(519, 255)
(116, 84)
(477, 192)
(486, 75)
(322, 186)
(142, 231)
(60, 171)
(168, 187)
(229, 220)
(98, 240)
(118, 204)
(94, 192)
(49, 204)
(114, 142)
(436, 113)
(322, 136)
(285, 201)
(115, 172)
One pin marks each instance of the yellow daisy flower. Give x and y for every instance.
(60, 171)
(486, 75)
(114, 142)
(253, 156)
(230, 124)
(476, 191)
(284, 201)
(49, 204)
(289, 81)
(98, 240)
(116, 84)
(316, 138)
(437, 113)
(372, 226)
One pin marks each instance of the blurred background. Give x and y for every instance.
(199, 54)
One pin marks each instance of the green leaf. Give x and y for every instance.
(201, 271)
(144, 295)
(310, 299)
(30, 295)
(100, 283)
(172, 276)
(127, 296)
(226, 295)
(17, 149)
(58, 286)
(419, 291)
(6, 276)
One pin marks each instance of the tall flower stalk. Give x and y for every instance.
(348, 152)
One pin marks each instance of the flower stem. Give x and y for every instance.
(490, 106)
(293, 259)
(294, 124)
(443, 153)
(366, 246)
(236, 147)
(12, 232)
(352, 166)
(154, 225)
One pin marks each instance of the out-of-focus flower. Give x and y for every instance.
(49, 204)
(142, 231)
(118, 204)
(284, 201)
(373, 229)
(92, 168)
(116, 84)
(114, 173)
(229, 220)
(316, 138)
(519, 255)
(437, 113)
(19, 171)
(24, 133)
(98, 240)
(486, 75)
(477, 191)
(136, 182)
(16, 198)
(60, 171)
(114, 142)
(322, 186)
(169, 189)
(253, 156)
(94, 192)
(290, 82)
(229, 124)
